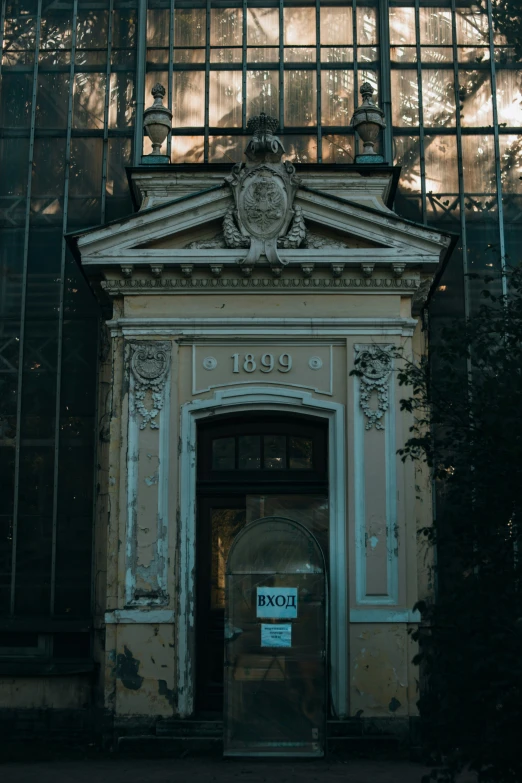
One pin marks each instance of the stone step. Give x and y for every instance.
(189, 728)
(145, 746)
(171, 727)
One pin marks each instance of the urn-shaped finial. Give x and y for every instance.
(368, 119)
(157, 123)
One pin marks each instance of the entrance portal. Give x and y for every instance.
(249, 467)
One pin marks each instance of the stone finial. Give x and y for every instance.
(264, 146)
(157, 123)
(368, 120)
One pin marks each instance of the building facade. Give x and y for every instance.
(99, 481)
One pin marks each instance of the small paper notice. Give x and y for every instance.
(276, 635)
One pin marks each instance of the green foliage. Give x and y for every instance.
(507, 20)
(467, 407)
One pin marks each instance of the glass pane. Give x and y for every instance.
(118, 201)
(249, 452)
(336, 54)
(336, 26)
(442, 182)
(226, 55)
(226, 26)
(16, 97)
(300, 148)
(189, 55)
(84, 180)
(336, 97)
(19, 36)
(91, 29)
(274, 447)
(33, 551)
(262, 55)
(122, 100)
(405, 98)
(52, 100)
(402, 26)
(223, 454)
(262, 93)
(403, 54)
(226, 524)
(367, 27)
(407, 155)
(186, 149)
(475, 99)
(226, 99)
(73, 557)
(299, 27)
(300, 54)
(509, 97)
(227, 148)
(189, 27)
(435, 26)
(438, 98)
(188, 104)
(158, 27)
(478, 160)
(263, 27)
(436, 54)
(300, 98)
(312, 511)
(337, 148)
(89, 100)
(300, 453)
(472, 26)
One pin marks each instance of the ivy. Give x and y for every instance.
(466, 401)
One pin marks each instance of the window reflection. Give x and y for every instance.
(274, 448)
(249, 452)
(223, 454)
(261, 37)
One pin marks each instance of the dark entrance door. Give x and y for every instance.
(248, 468)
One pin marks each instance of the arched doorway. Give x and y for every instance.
(249, 465)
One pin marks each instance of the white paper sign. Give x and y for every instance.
(278, 602)
(276, 635)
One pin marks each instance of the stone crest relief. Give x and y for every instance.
(149, 363)
(373, 365)
(264, 189)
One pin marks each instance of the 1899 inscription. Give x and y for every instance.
(248, 362)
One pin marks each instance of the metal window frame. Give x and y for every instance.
(207, 131)
(68, 133)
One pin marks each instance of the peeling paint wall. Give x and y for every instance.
(142, 664)
(379, 670)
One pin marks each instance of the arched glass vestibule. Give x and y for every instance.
(249, 466)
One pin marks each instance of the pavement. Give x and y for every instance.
(216, 770)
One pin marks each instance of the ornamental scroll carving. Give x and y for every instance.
(373, 365)
(264, 188)
(149, 363)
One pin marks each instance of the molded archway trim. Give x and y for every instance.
(262, 399)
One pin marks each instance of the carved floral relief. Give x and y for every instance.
(149, 363)
(373, 364)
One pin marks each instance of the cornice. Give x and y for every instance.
(175, 285)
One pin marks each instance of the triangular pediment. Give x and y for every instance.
(189, 230)
(209, 236)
